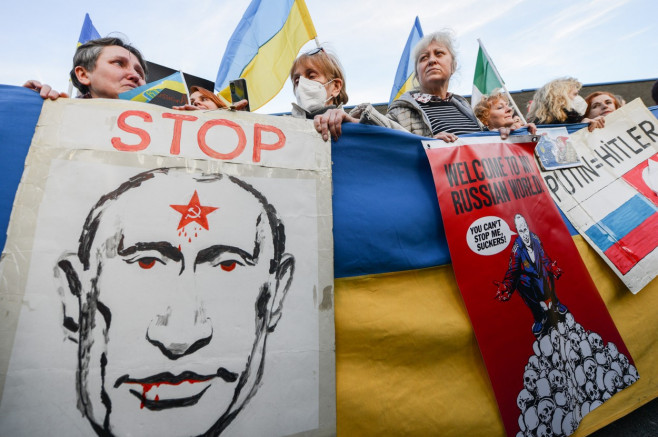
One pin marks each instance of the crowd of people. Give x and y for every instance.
(106, 67)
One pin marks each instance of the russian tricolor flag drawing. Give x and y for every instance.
(626, 228)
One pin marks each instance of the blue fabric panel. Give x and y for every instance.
(19, 112)
(386, 214)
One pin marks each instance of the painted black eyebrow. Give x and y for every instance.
(165, 249)
(212, 252)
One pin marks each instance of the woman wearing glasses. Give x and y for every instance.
(318, 82)
(429, 110)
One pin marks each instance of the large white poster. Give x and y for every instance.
(612, 200)
(169, 273)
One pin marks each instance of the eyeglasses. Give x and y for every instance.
(315, 51)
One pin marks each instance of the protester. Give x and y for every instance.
(102, 68)
(429, 110)
(558, 102)
(495, 113)
(204, 99)
(318, 83)
(601, 103)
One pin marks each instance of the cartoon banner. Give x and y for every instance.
(612, 200)
(168, 273)
(550, 347)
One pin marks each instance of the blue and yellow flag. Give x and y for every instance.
(168, 91)
(88, 31)
(263, 47)
(405, 74)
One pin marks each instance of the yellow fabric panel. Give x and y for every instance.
(407, 362)
(270, 68)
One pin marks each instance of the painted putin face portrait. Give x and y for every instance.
(172, 297)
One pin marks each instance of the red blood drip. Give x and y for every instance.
(195, 235)
(147, 386)
(189, 240)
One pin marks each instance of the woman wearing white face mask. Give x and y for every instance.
(318, 83)
(558, 102)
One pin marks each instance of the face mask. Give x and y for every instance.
(579, 105)
(311, 95)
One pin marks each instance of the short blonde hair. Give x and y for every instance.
(326, 63)
(552, 100)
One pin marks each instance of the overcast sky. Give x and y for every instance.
(530, 41)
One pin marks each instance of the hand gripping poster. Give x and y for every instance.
(550, 347)
(612, 200)
(168, 274)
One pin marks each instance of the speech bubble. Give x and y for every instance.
(489, 235)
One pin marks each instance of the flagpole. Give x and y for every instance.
(500, 79)
(317, 43)
(187, 92)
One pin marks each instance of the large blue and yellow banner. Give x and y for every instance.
(407, 360)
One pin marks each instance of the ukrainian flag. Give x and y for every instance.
(88, 31)
(263, 48)
(405, 73)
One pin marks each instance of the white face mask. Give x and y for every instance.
(311, 95)
(579, 105)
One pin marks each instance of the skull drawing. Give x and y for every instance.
(533, 363)
(592, 391)
(590, 369)
(544, 431)
(545, 410)
(530, 378)
(595, 341)
(557, 380)
(613, 351)
(524, 400)
(612, 381)
(574, 339)
(623, 361)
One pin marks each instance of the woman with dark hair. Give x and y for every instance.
(102, 68)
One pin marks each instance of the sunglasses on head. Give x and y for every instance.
(315, 51)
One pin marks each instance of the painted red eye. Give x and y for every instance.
(227, 266)
(146, 263)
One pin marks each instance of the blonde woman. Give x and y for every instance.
(558, 102)
(496, 114)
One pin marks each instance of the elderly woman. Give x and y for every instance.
(318, 83)
(430, 110)
(601, 103)
(102, 68)
(558, 102)
(496, 114)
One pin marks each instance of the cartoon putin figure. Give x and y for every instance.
(171, 300)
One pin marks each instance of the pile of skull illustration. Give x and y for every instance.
(571, 373)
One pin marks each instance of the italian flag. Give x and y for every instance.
(486, 78)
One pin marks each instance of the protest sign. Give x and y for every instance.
(612, 199)
(168, 273)
(550, 347)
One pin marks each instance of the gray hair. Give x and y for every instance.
(87, 54)
(445, 38)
